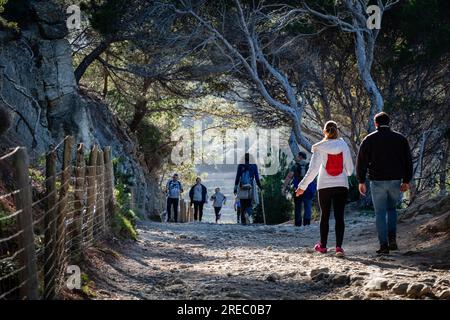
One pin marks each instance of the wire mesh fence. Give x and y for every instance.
(50, 215)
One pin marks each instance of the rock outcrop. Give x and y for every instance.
(38, 89)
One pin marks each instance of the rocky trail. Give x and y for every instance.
(229, 261)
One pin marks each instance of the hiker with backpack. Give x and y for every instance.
(244, 187)
(218, 199)
(173, 192)
(198, 195)
(295, 175)
(332, 162)
(385, 156)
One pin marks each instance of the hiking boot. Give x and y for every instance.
(393, 244)
(318, 248)
(339, 252)
(383, 250)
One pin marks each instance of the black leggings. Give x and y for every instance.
(337, 196)
(217, 212)
(198, 210)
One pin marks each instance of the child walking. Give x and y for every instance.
(219, 200)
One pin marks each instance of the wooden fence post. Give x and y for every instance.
(23, 200)
(80, 172)
(109, 185)
(182, 217)
(50, 228)
(100, 206)
(90, 200)
(62, 206)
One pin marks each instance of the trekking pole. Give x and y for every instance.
(262, 207)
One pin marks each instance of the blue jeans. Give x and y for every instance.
(385, 197)
(307, 204)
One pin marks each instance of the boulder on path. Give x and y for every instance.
(414, 289)
(400, 288)
(315, 272)
(444, 295)
(377, 284)
(273, 277)
(340, 279)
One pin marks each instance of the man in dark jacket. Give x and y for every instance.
(198, 196)
(386, 157)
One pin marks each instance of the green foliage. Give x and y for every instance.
(153, 143)
(5, 223)
(105, 15)
(278, 209)
(5, 24)
(124, 222)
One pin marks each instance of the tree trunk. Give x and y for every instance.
(293, 144)
(140, 107)
(105, 78)
(87, 61)
(364, 67)
(299, 137)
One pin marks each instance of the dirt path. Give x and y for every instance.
(228, 261)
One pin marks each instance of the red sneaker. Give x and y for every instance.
(339, 252)
(319, 248)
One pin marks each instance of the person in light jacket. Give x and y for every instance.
(332, 161)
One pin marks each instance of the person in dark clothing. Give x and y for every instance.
(243, 186)
(385, 157)
(295, 175)
(198, 195)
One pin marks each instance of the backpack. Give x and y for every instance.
(300, 170)
(335, 164)
(174, 187)
(246, 181)
(245, 185)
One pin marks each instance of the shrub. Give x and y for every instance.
(278, 209)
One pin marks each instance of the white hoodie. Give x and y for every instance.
(319, 161)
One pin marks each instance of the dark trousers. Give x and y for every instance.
(172, 202)
(217, 212)
(305, 204)
(338, 197)
(245, 204)
(198, 210)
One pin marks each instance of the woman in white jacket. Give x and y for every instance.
(331, 159)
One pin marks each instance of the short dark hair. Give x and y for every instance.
(302, 154)
(382, 119)
(247, 157)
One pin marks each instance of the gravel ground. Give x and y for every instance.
(229, 261)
